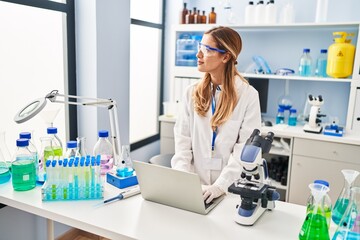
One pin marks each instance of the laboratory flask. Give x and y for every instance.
(23, 167)
(349, 226)
(71, 150)
(343, 200)
(81, 143)
(325, 202)
(315, 226)
(4, 169)
(125, 167)
(4, 149)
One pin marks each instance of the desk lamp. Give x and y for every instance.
(33, 108)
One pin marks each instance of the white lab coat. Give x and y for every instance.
(193, 136)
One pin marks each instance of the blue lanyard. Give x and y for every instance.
(213, 105)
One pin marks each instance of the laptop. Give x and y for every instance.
(172, 187)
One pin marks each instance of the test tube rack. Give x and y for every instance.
(73, 179)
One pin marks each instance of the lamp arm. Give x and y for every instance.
(97, 102)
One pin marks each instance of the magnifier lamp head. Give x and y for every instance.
(30, 110)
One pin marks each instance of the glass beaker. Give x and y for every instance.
(4, 169)
(4, 149)
(349, 226)
(81, 146)
(343, 200)
(315, 224)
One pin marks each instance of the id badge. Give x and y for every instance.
(213, 163)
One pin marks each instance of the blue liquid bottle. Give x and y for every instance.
(321, 64)
(280, 117)
(305, 63)
(23, 167)
(292, 117)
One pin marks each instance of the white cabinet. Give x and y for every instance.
(313, 160)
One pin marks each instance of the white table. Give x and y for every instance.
(135, 218)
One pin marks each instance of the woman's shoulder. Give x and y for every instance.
(243, 87)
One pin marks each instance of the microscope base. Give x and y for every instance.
(249, 221)
(309, 129)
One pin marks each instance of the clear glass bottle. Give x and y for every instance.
(326, 202)
(305, 63)
(321, 64)
(280, 117)
(56, 143)
(349, 227)
(125, 167)
(292, 117)
(33, 150)
(104, 148)
(71, 150)
(23, 167)
(212, 16)
(344, 198)
(315, 224)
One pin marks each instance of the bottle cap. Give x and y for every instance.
(323, 51)
(26, 135)
(306, 50)
(292, 110)
(251, 3)
(71, 144)
(103, 133)
(51, 130)
(323, 182)
(22, 142)
(280, 109)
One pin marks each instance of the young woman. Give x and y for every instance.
(219, 114)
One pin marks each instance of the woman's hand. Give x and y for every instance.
(211, 192)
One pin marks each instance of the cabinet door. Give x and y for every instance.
(304, 170)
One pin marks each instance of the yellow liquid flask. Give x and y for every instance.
(349, 226)
(315, 226)
(340, 56)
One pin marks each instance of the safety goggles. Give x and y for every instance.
(207, 50)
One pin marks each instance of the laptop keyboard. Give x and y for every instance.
(208, 204)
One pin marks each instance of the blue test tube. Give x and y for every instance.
(87, 179)
(53, 178)
(92, 177)
(48, 181)
(98, 177)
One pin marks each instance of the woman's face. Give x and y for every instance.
(210, 58)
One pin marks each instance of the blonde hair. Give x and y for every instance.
(229, 40)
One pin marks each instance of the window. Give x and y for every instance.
(146, 56)
(37, 55)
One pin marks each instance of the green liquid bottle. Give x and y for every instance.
(23, 167)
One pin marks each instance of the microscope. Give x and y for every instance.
(254, 188)
(314, 119)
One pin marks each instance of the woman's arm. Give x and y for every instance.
(182, 134)
(252, 120)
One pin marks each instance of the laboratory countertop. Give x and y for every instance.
(136, 218)
(295, 131)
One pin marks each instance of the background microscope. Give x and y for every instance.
(314, 125)
(256, 193)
